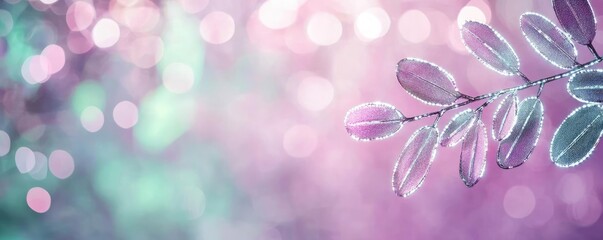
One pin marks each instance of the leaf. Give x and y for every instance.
(517, 147)
(505, 115)
(490, 48)
(457, 128)
(548, 40)
(373, 121)
(587, 86)
(473, 154)
(414, 162)
(577, 136)
(577, 18)
(427, 82)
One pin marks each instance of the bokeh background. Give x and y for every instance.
(223, 119)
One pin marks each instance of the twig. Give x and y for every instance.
(494, 95)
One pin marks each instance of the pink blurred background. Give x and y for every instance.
(245, 139)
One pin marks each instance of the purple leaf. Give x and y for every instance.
(490, 48)
(473, 154)
(373, 121)
(427, 82)
(517, 147)
(457, 128)
(587, 86)
(577, 18)
(548, 40)
(505, 115)
(577, 136)
(414, 162)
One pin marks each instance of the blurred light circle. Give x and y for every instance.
(61, 164)
(40, 170)
(92, 119)
(48, 1)
(217, 27)
(371, 24)
(105, 33)
(193, 6)
(25, 159)
(141, 18)
(79, 42)
(571, 188)
(414, 26)
(178, 77)
(4, 143)
(80, 15)
(278, 14)
(300, 141)
(128, 3)
(470, 13)
(324, 29)
(55, 56)
(543, 212)
(39, 68)
(454, 39)
(6, 22)
(586, 212)
(439, 27)
(125, 114)
(146, 52)
(519, 202)
(35, 69)
(38, 199)
(315, 93)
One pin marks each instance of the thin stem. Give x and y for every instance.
(540, 90)
(490, 100)
(435, 122)
(465, 96)
(523, 76)
(593, 50)
(542, 81)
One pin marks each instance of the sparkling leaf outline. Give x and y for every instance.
(485, 63)
(574, 78)
(377, 104)
(480, 131)
(515, 100)
(581, 37)
(451, 139)
(433, 150)
(537, 134)
(571, 56)
(568, 118)
(438, 68)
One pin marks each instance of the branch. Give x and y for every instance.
(494, 95)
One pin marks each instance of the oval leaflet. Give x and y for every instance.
(577, 18)
(490, 48)
(587, 86)
(457, 128)
(505, 115)
(373, 121)
(415, 161)
(427, 82)
(548, 40)
(577, 136)
(517, 147)
(473, 154)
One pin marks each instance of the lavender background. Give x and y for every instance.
(256, 148)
